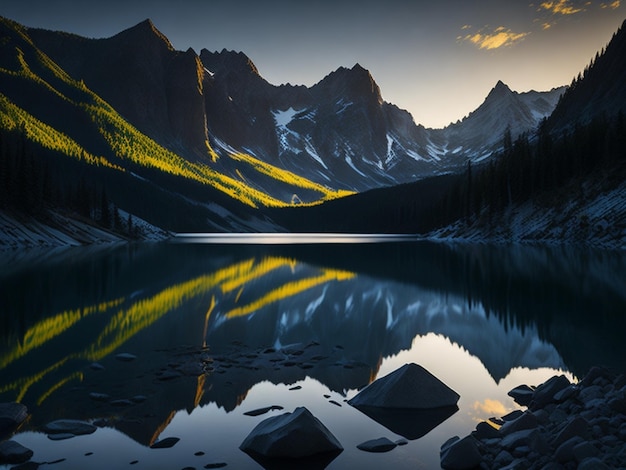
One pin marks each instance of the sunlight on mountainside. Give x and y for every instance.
(30, 74)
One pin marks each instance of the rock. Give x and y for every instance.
(462, 454)
(261, 411)
(14, 452)
(291, 435)
(165, 443)
(525, 421)
(565, 394)
(503, 458)
(99, 396)
(584, 450)
(545, 393)
(590, 393)
(377, 445)
(216, 465)
(125, 357)
(593, 463)
(484, 430)
(122, 402)
(512, 415)
(12, 415)
(522, 394)
(410, 386)
(517, 464)
(69, 426)
(565, 452)
(577, 427)
(517, 439)
(61, 436)
(595, 373)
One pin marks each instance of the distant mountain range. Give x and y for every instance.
(339, 133)
(209, 141)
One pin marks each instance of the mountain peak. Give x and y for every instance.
(354, 81)
(228, 60)
(145, 31)
(501, 88)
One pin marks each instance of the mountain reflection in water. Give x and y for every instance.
(239, 314)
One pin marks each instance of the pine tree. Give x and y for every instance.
(105, 215)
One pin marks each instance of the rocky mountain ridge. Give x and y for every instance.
(339, 133)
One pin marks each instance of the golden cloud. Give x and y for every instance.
(561, 7)
(499, 37)
(613, 5)
(490, 407)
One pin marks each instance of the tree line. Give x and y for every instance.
(532, 167)
(35, 180)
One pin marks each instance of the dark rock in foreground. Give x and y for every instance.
(297, 435)
(409, 387)
(566, 426)
(14, 452)
(12, 415)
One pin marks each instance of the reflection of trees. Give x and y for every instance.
(572, 295)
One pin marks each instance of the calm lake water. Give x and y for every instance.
(288, 325)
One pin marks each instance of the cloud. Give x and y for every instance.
(499, 37)
(613, 5)
(490, 407)
(561, 7)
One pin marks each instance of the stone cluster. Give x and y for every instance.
(565, 426)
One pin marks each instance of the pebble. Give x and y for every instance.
(125, 357)
(381, 444)
(165, 443)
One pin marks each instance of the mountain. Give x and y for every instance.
(481, 132)
(565, 183)
(215, 107)
(598, 91)
(64, 144)
(200, 142)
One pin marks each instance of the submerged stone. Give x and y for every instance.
(165, 443)
(410, 386)
(292, 436)
(381, 444)
(14, 452)
(12, 415)
(69, 426)
(125, 357)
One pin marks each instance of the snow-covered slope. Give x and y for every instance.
(61, 230)
(597, 218)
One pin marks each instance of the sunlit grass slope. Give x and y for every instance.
(60, 113)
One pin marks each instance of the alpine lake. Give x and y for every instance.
(185, 338)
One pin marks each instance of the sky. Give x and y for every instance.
(437, 59)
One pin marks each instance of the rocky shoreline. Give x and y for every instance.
(565, 426)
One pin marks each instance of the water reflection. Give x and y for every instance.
(210, 322)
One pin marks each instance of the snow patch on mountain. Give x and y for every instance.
(283, 118)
